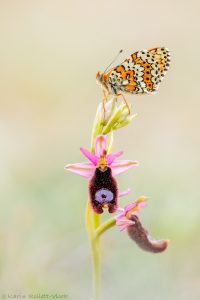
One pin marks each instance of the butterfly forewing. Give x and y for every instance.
(141, 73)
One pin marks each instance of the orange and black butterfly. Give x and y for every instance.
(141, 73)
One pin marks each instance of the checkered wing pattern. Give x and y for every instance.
(141, 73)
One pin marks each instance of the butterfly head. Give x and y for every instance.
(102, 79)
(99, 77)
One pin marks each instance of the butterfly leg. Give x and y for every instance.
(129, 110)
(103, 103)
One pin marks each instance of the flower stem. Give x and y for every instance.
(96, 268)
(88, 219)
(104, 227)
(95, 243)
(92, 223)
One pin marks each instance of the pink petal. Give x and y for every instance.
(122, 194)
(100, 145)
(124, 224)
(129, 206)
(136, 206)
(120, 209)
(142, 204)
(122, 166)
(84, 169)
(93, 158)
(111, 157)
(123, 227)
(120, 216)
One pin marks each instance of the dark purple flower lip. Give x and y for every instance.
(103, 191)
(142, 238)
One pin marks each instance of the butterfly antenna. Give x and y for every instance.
(113, 61)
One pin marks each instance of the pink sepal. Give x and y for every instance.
(84, 169)
(122, 166)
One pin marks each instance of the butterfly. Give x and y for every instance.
(140, 74)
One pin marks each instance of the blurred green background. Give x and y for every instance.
(49, 55)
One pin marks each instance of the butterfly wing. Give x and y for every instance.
(162, 56)
(141, 73)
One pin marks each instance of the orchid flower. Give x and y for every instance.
(123, 220)
(128, 219)
(101, 170)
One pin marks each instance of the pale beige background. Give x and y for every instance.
(50, 52)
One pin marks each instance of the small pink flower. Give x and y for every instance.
(123, 219)
(103, 188)
(128, 219)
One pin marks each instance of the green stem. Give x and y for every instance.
(104, 227)
(96, 268)
(96, 257)
(95, 245)
(97, 220)
(92, 223)
(88, 219)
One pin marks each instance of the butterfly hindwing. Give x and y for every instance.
(162, 56)
(141, 73)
